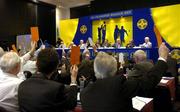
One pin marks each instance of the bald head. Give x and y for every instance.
(146, 39)
(139, 56)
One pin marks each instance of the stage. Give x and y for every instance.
(152, 53)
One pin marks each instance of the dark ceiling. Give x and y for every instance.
(103, 6)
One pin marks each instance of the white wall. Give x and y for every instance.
(61, 13)
(54, 2)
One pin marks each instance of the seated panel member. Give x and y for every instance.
(82, 45)
(110, 93)
(40, 94)
(117, 44)
(130, 44)
(147, 43)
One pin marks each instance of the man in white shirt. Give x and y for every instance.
(82, 45)
(25, 58)
(10, 64)
(147, 43)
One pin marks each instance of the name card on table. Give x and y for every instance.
(75, 55)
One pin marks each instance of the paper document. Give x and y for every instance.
(164, 81)
(140, 102)
(78, 96)
(91, 41)
(121, 58)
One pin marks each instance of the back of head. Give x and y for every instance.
(9, 61)
(1, 52)
(47, 61)
(140, 56)
(104, 65)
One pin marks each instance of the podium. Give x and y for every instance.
(169, 82)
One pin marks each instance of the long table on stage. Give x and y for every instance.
(152, 53)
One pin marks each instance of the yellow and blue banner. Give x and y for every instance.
(160, 24)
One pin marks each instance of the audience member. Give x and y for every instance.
(142, 65)
(1, 52)
(25, 58)
(10, 64)
(39, 94)
(86, 72)
(86, 54)
(172, 66)
(111, 93)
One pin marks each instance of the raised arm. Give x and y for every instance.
(71, 92)
(146, 83)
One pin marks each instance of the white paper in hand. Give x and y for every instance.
(121, 58)
(91, 41)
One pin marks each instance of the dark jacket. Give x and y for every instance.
(38, 94)
(114, 94)
(140, 69)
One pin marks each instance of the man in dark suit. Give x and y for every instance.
(39, 94)
(142, 65)
(111, 93)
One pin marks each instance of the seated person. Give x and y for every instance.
(147, 43)
(142, 65)
(71, 45)
(82, 45)
(62, 45)
(98, 44)
(1, 52)
(130, 44)
(118, 43)
(58, 42)
(111, 93)
(39, 94)
(106, 44)
(86, 72)
(10, 64)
